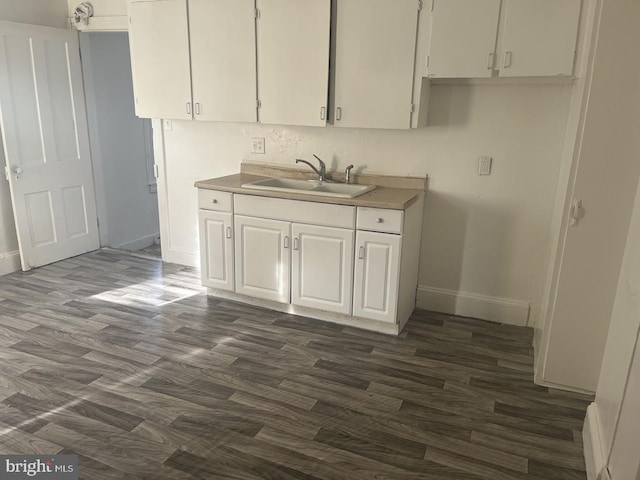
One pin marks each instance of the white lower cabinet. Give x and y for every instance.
(346, 264)
(377, 272)
(216, 241)
(262, 258)
(322, 268)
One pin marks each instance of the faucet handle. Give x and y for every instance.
(322, 164)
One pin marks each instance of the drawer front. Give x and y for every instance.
(380, 220)
(314, 213)
(215, 200)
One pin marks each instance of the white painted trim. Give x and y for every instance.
(140, 243)
(339, 318)
(115, 23)
(9, 262)
(495, 309)
(594, 455)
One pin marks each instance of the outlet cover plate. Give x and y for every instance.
(257, 145)
(484, 165)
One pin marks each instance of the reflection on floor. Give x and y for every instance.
(126, 362)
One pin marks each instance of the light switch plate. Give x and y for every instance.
(484, 165)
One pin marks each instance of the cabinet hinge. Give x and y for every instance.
(575, 57)
(419, 5)
(257, 13)
(427, 62)
(156, 171)
(136, 100)
(258, 103)
(413, 107)
(433, 4)
(6, 173)
(129, 20)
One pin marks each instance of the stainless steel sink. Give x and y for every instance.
(310, 187)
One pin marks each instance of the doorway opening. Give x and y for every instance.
(121, 147)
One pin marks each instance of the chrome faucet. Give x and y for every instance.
(321, 171)
(347, 174)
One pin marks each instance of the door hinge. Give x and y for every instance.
(413, 107)
(258, 103)
(257, 13)
(156, 170)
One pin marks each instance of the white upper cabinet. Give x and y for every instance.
(223, 59)
(375, 44)
(159, 42)
(534, 38)
(293, 61)
(539, 37)
(463, 38)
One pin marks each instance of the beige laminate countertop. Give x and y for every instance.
(381, 197)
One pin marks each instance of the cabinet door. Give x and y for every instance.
(216, 249)
(375, 292)
(262, 258)
(322, 268)
(374, 62)
(293, 61)
(539, 37)
(463, 38)
(159, 42)
(223, 59)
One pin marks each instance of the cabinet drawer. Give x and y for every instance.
(215, 200)
(380, 220)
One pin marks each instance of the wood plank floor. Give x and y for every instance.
(126, 362)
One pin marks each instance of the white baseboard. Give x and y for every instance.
(9, 262)
(139, 244)
(495, 309)
(594, 455)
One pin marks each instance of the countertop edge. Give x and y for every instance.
(412, 194)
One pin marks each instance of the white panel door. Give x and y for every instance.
(375, 292)
(46, 143)
(263, 258)
(322, 268)
(539, 37)
(374, 62)
(463, 38)
(223, 59)
(159, 41)
(293, 39)
(216, 247)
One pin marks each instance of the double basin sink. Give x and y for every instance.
(310, 187)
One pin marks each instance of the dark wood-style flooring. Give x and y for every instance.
(126, 362)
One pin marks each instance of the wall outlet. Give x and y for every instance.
(484, 165)
(257, 145)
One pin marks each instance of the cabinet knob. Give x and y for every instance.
(214, 201)
(379, 220)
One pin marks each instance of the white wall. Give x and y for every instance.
(483, 235)
(607, 167)
(615, 429)
(51, 13)
(127, 210)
